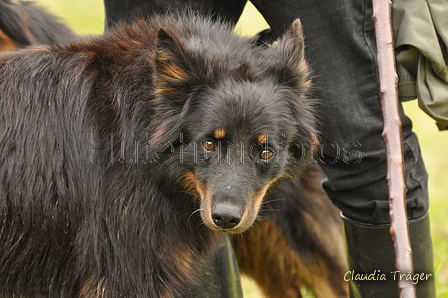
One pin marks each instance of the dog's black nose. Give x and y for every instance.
(226, 216)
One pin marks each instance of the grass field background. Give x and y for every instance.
(87, 17)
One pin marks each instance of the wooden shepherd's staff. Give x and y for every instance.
(382, 17)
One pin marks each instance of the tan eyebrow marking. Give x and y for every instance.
(219, 133)
(263, 138)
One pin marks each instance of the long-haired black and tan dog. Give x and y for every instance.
(123, 159)
(23, 23)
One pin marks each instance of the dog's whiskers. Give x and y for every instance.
(273, 200)
(190, 193)
(192, 213)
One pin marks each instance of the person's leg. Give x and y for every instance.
(370, 251)
(341, 50)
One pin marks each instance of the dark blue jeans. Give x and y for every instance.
(342, 53)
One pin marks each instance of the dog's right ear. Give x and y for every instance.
(174, 67)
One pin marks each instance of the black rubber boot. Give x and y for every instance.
(370, 254)
(220, 277)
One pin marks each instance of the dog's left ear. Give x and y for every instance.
(174, 76)
(288, 55)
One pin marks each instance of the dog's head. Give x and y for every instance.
(240, 116)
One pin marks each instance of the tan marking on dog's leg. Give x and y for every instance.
(264, 255)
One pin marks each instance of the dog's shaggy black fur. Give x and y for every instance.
(122, 158)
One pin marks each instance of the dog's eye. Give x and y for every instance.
(208, 145)
(266, 154)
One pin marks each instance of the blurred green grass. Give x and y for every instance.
(434, 144)
(87, 17)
